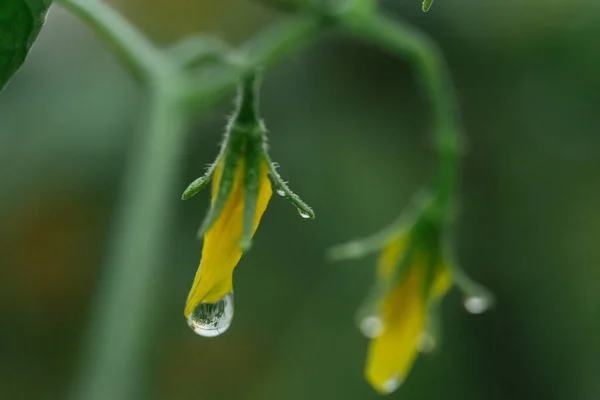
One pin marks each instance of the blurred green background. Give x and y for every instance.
(351, 132)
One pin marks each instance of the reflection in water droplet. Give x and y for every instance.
(392, 384)
(303, 214)
(371, 326)
(212, 319)
(426, 342)
(476, 304)
(280, 192)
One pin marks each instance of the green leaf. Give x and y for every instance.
(20, 24)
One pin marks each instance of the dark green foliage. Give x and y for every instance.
(20, 24)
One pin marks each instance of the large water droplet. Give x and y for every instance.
(371, 326)
(426, 342)
(476, 304)
(392, 384)
(303, 214)
(212, 319)
(280, 192)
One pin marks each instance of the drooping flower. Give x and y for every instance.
(222, 251)
(413, 275)
(241, 191)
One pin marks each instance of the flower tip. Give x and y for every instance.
(427, 5)
(426, 343)
(386, 387)
(185, 195)
(195, 187)
(371, 326)
(478, 304)
(306, 213)
(245, 244)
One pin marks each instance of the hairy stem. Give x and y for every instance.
(120, 333)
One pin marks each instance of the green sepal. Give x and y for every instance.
(471, 289)
(427, 5)
(371, 244)
(280, 185)
(252, 167)
(195, 187)
(468, 287)
(427, 235)
(433, 329)
(199, 184)
(232, 154)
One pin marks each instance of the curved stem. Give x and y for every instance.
(403, 41)
(141, 56)
(269, 46)
(123, 311)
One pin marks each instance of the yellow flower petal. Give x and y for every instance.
(404, 314)
(221, 251)
(391, 355)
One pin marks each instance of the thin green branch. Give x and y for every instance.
(123, 316)
(119, 336)
(137, 52)
(402, 40)
(271, 45)
(196, 49)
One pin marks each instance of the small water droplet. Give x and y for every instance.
(476, 304)
(371, 326)
(392, 384)
(426, 343)
(280, 192)
(212, 319)
(303, 214)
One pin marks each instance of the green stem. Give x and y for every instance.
(123, 312)
(193, 50)
(406, 42)
(269, 46)
(141, 56)
(120, 334)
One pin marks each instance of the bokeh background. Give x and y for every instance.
(351, 132)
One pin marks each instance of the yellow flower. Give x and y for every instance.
(413, 275)
(240, 193)
(403, 313)
(221, 251)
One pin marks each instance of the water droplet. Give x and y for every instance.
(426, 342)
(212, 319)
(303, 214)
(371, 326)
(280, 192)
(392, 384)
(476, 304)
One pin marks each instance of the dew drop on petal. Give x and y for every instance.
(476, 304)
(280, 192)
(371, 326)
(426, 342)
(212, 319)
(303, 214)
(392, 384)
